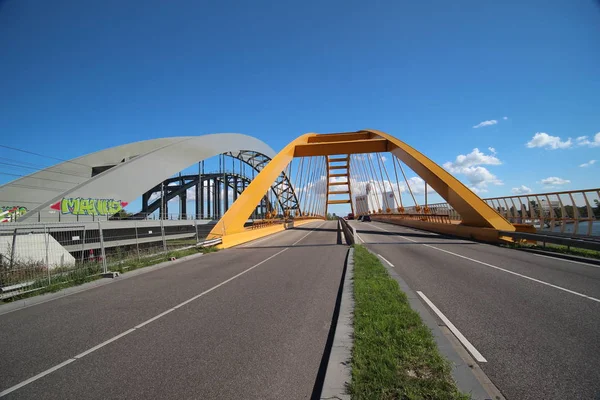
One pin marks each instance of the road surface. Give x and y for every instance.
(535, 319)
(248, 322)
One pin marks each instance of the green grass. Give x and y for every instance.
(394, 355)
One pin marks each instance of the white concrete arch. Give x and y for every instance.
(137, 168)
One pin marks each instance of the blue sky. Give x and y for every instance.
(77, 76)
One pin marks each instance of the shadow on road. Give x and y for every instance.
(424, 242)
(283, 246)
(407, 234)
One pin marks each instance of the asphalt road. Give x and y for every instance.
(540, 341)
(255, 326)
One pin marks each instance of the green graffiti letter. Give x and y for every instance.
(101, 206)
(69, 206)
(86, 207)
(114, 206)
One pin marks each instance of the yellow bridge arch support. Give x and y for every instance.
(476, 214)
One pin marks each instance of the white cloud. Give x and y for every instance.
(587, 164)
(505, 118)
(417, 185)
(584, 141)
(486, 123)
(521, 190)
(554, 180)
(334, 179)
(542, 139)
(492, 150)
(480, 176)
(475, 157)
(477, 190)
(470, 166)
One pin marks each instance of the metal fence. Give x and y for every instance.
(34, 256)
(573, 213)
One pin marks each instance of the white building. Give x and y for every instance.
(388, 201)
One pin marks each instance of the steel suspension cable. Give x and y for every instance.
(304, 184)
(383, 202)
(363, 171)
(309, 184)
(350, 164)
(317, 185)
(324, 185)
(397, 183)
(317, 179)
(298, 172)
(408, 186)
(390, 182)
(375, 180)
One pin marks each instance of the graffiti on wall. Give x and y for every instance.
(89, 206)
(11, 213)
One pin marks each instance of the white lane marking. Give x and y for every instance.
(383, 258)
(162, 314)
(517, 274)
(35, 378)
(296, 242)
(563, 259)
(359, 238)
(476, 354)
(85, 353)
(502, 269)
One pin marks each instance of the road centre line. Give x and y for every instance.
(127, 332)
(496, 267)
(476, 354)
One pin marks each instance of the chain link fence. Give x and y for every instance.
(38, 256)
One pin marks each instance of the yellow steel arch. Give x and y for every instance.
(473, 210)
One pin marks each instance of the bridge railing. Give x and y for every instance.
(35, 256)
(575, 212)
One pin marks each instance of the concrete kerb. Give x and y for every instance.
(467, 374)
(46, 297)
(339, 368)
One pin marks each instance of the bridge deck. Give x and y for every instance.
(259, 335)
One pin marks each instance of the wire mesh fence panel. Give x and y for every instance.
(180, 235)
(25, 256)
(39, 255)
(140, 244)
(75, 253)
(121, 243)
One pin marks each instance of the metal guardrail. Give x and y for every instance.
(347, 230)
(554, 239)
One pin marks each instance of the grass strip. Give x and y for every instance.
(92, 272)
(394, 354)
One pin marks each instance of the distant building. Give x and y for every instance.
(388, 201)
